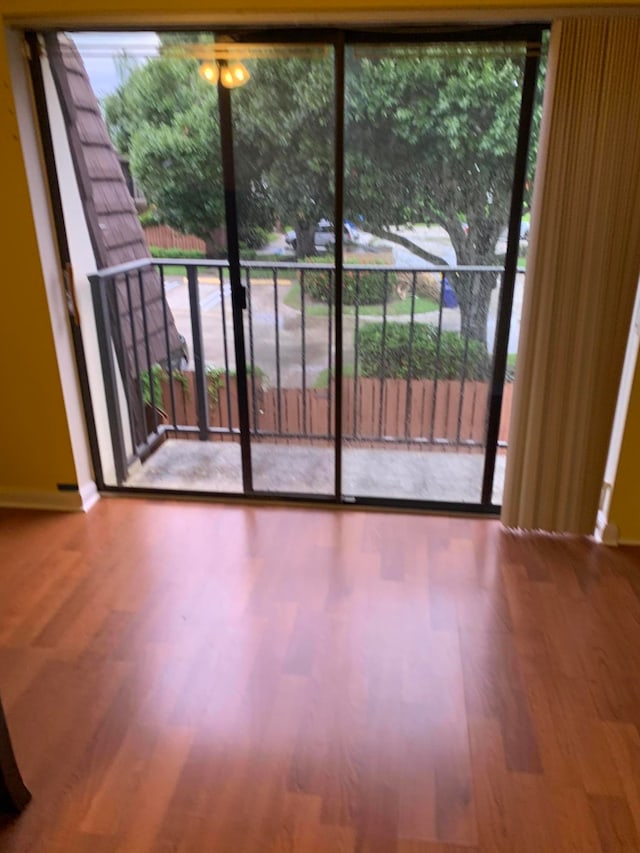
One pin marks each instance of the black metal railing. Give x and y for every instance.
(404, 372)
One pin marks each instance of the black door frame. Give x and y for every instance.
(338, 39)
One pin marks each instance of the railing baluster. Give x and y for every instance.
(356, 354)
(437, 362)
(123, 361)
(165, 322)
(255, 428)
(198, 354)
(422, 408)
(383, 354)
(109, 372)
(303, 355)
(136, 362)
(407, 407)
(225, 347)
(330, 359)
(275, 305)
(462, 381)
(147, 352)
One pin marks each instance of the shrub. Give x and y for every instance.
(247, 254)
(149, 217)
(428, 361)
(216, 377)
(254, 237)
(159, 252)
(364, 288)
(158, 377)
(196, 254)
(427, 285)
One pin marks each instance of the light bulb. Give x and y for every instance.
(226, 77)
(210, 72)
(233, 75)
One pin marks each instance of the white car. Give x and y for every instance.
(325, 235)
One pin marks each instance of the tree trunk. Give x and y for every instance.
(305, 239)
(212, 248)
(474, 247)
(473, 291)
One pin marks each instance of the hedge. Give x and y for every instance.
(428, 361)
(159, 252)
(369, 290)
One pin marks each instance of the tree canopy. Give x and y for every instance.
(284, 134)
(432, 138)
(165, 121)
(428, 138)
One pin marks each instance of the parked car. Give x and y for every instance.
(325, 236)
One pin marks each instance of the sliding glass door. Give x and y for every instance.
(340, 328)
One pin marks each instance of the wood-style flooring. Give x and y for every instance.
(199, 677)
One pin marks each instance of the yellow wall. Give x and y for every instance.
(35, 448)
(624, 510)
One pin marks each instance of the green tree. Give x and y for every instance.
(433, 139)
(163, 118)
(429, 138)
(284, 123)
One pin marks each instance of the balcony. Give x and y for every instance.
(410, 414)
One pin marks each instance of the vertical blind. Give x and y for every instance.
(581, 278)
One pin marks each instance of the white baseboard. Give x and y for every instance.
(89, 495)
(606, 532)
(26, 499)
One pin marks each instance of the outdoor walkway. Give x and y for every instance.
(214, 466)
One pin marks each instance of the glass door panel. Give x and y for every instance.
(158, 335)
(283, 134)
(226, 362)
(431, 134)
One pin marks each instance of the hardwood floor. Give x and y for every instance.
(192, 677)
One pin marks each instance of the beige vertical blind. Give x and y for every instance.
(582, 275)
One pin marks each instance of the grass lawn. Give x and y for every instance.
(258, 276)
(177, 270)
(395, 307)
(181, 270)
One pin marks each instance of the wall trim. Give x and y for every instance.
(408, 14)
(89, 495)
(605, 532)
(53, 500)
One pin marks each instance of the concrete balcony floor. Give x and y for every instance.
(381, 472)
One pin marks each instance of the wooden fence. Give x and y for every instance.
(443, 415)
(166, 238)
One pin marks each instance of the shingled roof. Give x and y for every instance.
(114, 228)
